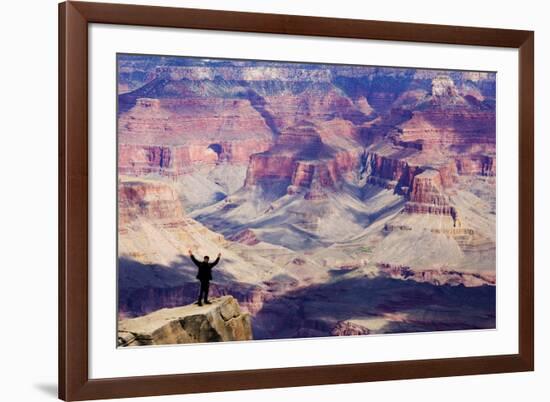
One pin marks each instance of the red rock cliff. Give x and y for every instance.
(150, 200)
(172, 160)
(300, 157)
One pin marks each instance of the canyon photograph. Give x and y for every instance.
(344, 199)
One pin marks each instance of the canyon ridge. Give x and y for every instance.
(345, 200)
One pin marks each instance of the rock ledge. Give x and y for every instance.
(218, 322)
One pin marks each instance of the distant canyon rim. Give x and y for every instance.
(345, 200)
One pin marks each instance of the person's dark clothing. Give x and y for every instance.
(204, 276)
(205, 268)
(203, 294)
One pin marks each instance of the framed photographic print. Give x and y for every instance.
(259, 200)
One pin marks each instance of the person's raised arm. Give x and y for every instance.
(216, 260)
(193, 258)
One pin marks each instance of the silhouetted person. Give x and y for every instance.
(204, 275)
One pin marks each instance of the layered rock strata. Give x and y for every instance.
(297, 163)
(439, 276)
(301, 160)
(178, 160)
(426, 196)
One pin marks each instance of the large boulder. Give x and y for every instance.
(217, 322)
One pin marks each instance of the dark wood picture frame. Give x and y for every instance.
(74, 381)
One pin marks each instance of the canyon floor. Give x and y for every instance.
(345, 200)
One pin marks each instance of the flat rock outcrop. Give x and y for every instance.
(218, 322)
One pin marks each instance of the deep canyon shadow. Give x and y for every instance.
(393, 305)
(381, 304)
(144, 288)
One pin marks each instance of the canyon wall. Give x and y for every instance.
(301, 159)
(178, 160)
(318, 184)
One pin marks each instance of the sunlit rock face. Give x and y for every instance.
(151, 200)
(426, 195)
(221, 321)
(168, 136)
(303, 160)
(318, 184)
(152, 224)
